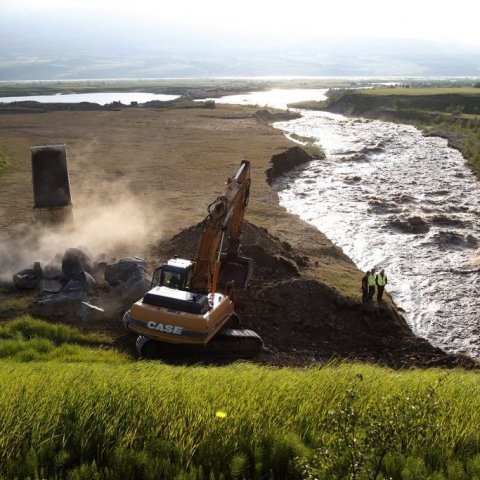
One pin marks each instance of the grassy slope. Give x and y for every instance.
(450, 112)
(69, 415)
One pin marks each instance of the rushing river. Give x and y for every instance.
(394, 199)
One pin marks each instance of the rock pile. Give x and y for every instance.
(76, 287)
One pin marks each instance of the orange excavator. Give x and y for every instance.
(190, 306)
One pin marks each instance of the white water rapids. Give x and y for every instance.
(394, 199)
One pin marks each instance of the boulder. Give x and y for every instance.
(126, 270)
(59, 305)
(128, 279)
(75, 262)
(49, 286)
(98, 272)
(413, 224)
(51, 272)
(25, 279)
(73, 286)
(134, 289)
(87, 282)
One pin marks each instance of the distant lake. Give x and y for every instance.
(102, 98)
(276, 98)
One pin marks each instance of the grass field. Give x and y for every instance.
(76, 412)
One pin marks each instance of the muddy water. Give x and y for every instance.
(394, 199)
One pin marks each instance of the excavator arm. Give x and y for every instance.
(191, 316)
(225, 215)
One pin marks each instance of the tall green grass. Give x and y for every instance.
(27, 328)
(29, 340)
(147, 420)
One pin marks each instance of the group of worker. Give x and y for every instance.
(372, 282)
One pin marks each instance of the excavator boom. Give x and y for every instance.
(226, 213)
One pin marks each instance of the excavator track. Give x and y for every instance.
(228, 344)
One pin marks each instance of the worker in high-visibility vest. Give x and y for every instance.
(381, 280)
(372, 282)
(365, 287)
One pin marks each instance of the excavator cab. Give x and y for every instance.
(176, 273)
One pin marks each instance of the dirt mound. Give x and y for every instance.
(303, 320)
(286, 161)
(268, 117)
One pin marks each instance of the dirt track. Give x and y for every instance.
(304, 299)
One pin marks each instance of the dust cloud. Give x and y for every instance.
(109, 222)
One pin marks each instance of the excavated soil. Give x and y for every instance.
(303, 321)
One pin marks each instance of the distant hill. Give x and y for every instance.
(49, 49)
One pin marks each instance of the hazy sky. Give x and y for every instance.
(455, 21)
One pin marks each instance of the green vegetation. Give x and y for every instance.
(309, 145)
(303, 139)
(15, 304)
(27, 328)
(29, 340)
(92, 414)
(209, 85)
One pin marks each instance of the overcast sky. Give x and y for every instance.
(455, 21)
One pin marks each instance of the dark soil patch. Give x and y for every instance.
(303, 321)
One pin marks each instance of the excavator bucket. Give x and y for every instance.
(51, 184)
(234, 268)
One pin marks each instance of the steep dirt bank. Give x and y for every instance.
(286, 161)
